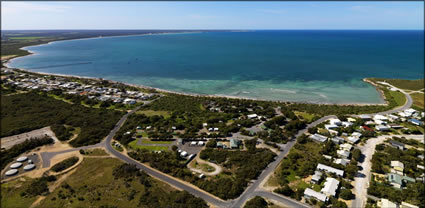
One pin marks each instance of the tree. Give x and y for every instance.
(356, 154)
(256, 202)
(346, 194)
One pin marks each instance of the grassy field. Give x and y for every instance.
(306, 116)
(134, 145)
(204, 167)
(418, 100)
(399, 97)
(165, 114)
(95, 152)
(99, 187)
(404, 84)
(11, 193)
(146, 141)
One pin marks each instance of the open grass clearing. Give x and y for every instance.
(306, 116)
(418, 100)
(134, 146)
(165, 114)
(147, 141)
(95, 152)
(399, 97)
(203, 166)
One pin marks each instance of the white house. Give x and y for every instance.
(380, 117)
(336, 122)
(347, 123)
(310, 193)
(318, 137)
(251, 116)
(331, 186)
(329, 169)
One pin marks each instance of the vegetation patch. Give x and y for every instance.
(164, 114)
(11, 193)
(25, 112)
(418, 100)
(414, 192)
(110, 183)
(65, 164)
(135, 146)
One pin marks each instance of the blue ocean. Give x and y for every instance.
(290, 65)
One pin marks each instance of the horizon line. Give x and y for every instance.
(210, 29)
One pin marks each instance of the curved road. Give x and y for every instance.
(251, 191)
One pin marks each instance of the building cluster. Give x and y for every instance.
(92, 90)
(385, 203)
(331, 185)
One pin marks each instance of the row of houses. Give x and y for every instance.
(91, 90)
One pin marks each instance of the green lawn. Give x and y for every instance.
(165, 114)
(306, 116)
(146, 141)
(134, 145)
(10, 193)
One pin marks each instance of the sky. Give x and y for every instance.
(212, 15)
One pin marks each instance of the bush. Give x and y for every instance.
(65, 164)
(256, 202)
(346, 194)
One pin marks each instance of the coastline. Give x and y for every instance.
(6, 64)
(206, 95)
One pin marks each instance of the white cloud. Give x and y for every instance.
(27, 7)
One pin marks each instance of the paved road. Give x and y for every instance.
(47, 156)
(252, 190)
(407, 105)
(361, 181)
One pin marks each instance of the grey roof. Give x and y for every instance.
(330, 169)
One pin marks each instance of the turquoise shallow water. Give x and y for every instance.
(311, 66)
